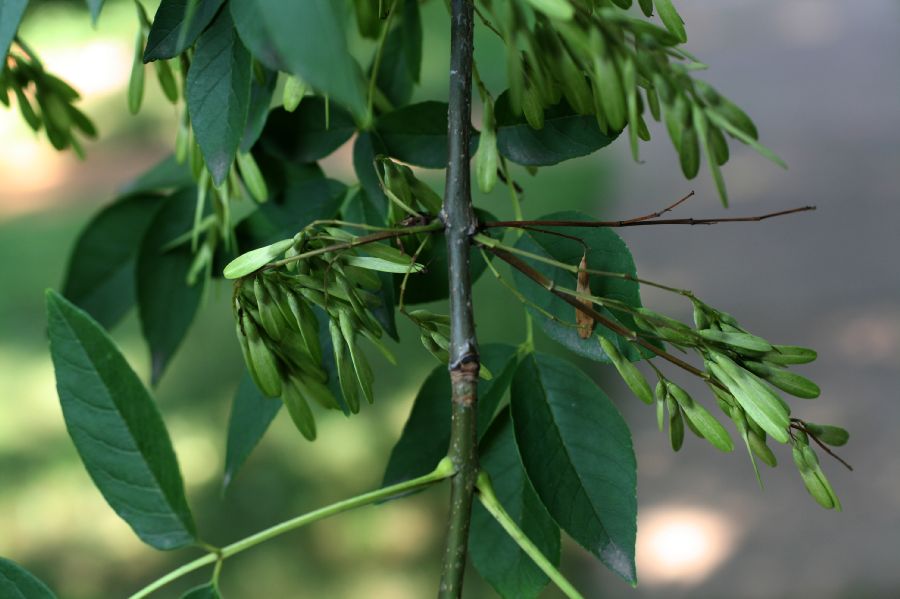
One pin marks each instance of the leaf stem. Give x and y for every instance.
(444, 470)
(358, 241)
(376, 62)
(490, 502)
(493, 243)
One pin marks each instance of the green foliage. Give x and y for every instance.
(604, 250)
(218, 95)
(321, 269)
(101, 273)
(496, 557)
(117, 429)
(576, 449)
(16, 581)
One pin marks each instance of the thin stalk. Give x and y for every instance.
(461, 225)
(639, 222)
(379, 50)
(358, 241)
(443, 470)
(490, 502)
(632, 336)
(493, 243)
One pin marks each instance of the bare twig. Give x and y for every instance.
(641, 221)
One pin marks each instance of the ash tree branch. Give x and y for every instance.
(460, 225)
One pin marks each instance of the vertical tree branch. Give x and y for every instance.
(460, 226)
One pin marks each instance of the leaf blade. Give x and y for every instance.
(307, 39)
(118, 432)
(494, 554)
(218, 94)
(588, 488)
(18, 583)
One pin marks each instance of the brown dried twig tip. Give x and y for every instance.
(650, 219)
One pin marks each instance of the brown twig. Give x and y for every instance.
(640, 221)
(549, 285)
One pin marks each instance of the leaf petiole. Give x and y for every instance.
(444, 469)
(490, 502)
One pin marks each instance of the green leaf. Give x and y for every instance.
(100, 275)
(565, 135)
(494, 554)
(307, 39)
(258, 111)
(426, 435)
(166, 303)
(95, 6)
(116, 428)
(204, 591)
(305, 195)
(402, 56)
(671, 19)
(360, 208)
(163, 176)
(251, 415)
(11, 12)
(577, 452)
(302, 135)
(166, 31)
(417, 134)
(433, 285)
(218, 95)
(18, 583)
(606, 252)
(365, 148)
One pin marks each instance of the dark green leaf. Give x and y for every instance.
(251, 415)
(302, 135)
(494, 554)
(365, 148)
(305, 195)
(426, 435)
(360, 209)
(307, 39)
(218, 94)
(402, 56)
(204, 591)
(165, 175)
(417, 134)
(566, 134)
(166, 32)
(10, 15)
(95, 6)
(577, 452)
(18, 583)
(166, 303)
(606, 252)
(433, 284)
(117, 429)
(260, 101)
(100, 276)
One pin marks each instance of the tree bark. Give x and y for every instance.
(460, 225)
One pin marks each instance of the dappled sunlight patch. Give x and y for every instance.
(682, 544)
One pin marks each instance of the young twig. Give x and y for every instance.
(641, 221)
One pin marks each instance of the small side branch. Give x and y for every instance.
(547, 284)
(642, 220)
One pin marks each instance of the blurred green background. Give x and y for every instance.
(819, 77)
